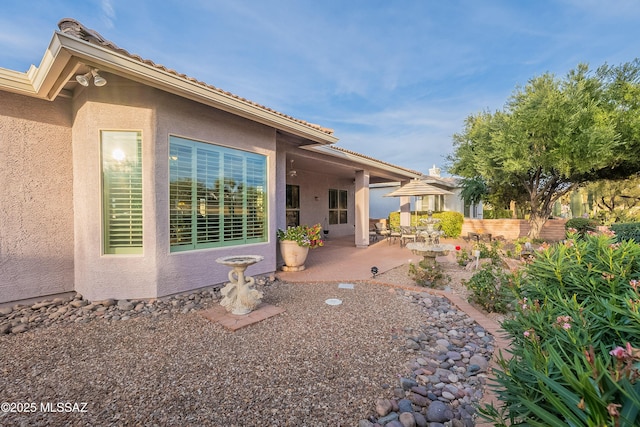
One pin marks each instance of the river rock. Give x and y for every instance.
(388, 418)
(407, 383)
(407, 419)
(480, 361)
(438, 412)
(404, 405)
(454, 351)
(125, 305)
(383, 407)
(421, 421)
(22, 327)
(77, 303)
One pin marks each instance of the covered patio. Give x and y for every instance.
(339, 260)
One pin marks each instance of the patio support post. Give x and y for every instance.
(405, 208)
(405, 211)
(362, 209)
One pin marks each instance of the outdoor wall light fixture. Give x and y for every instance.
(292, 172)
(84, 79)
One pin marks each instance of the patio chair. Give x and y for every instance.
(394, 234)
(382, 230)
(373, 235)
(407, 233)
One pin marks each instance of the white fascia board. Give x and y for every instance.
(330, 151)
(30, 82)
(121, 64)
(16, 82)
(45, 81)
(390, 184)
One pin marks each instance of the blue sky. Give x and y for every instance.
(394, 79)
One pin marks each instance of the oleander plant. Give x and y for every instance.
(574, 357)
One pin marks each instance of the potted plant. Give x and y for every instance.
(295, 243)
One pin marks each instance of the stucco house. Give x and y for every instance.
(381, 206)
(124, 179)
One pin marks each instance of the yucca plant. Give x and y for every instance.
(574, 358)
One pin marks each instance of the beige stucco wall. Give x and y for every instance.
(120, 105)
(180, 271)
(36, 201)
(314, 200)
(51, 231)
(125, 105)
(454, 202)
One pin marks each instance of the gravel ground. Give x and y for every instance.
(314, 365)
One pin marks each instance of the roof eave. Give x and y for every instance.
(45, 81)
(364, 161)
(66, 54)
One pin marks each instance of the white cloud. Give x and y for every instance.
(108, 13)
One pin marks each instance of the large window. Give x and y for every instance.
(337, 206)
(217, 196)
(293, 205)
(432, 202)
(122, 191)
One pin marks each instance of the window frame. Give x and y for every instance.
(434, 202)
(136, 232)
(338, 206)
(292, 205)
(213, 221)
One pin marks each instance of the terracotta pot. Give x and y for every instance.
(294, 255)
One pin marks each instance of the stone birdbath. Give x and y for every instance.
(238, 295)
(429, 252)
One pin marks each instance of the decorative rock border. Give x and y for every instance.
(448, 374)
(76, 309)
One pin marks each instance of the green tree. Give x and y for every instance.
(552, 136)
(616, 201)
(474, 190)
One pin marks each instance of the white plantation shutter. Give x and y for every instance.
(233, 197)
(122, 192)
(208, 196)
(217, 196)
(256, 203)
(180, 195)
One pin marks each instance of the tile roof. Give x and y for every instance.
(75, 29)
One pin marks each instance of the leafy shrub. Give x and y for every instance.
(581, 225)
(497, 213)
(627, 231)
(463, 257)
(450, 222)
(491, 289)
(574, 339)
(492, 251)
(429, 275)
